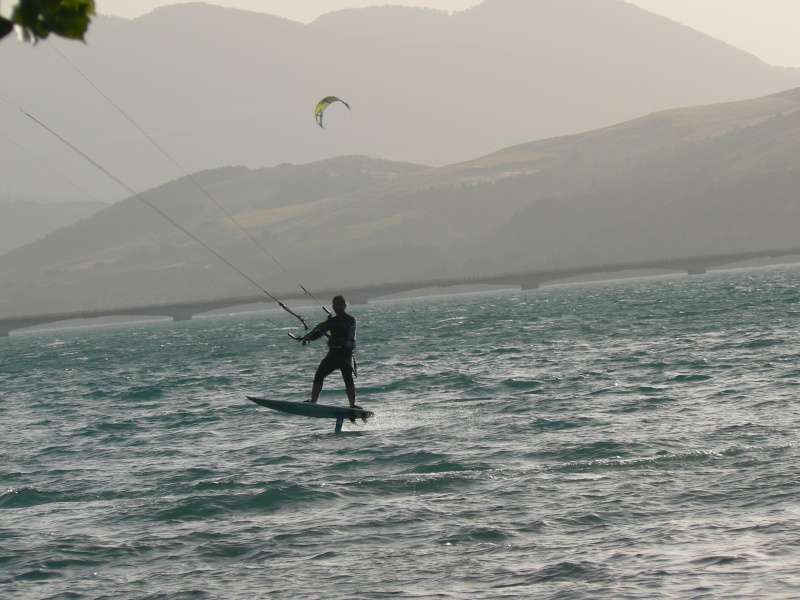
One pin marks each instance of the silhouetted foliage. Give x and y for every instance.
(40, 18)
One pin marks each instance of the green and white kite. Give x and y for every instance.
(323, 104)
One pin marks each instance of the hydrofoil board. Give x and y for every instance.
(310, 409)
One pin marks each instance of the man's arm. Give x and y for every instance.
(316, 333)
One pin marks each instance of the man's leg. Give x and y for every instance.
(325, 368)
(315, 391)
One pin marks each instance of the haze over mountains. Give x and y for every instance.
(217, 87)
(711, 179)
(363, 203)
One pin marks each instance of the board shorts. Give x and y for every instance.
(336, 360)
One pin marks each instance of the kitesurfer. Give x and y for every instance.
(340, 329)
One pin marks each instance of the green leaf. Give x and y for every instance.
(67, 18)
(6, 27)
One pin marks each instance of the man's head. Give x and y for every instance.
(339, 305)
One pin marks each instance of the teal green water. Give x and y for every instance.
(627, 439)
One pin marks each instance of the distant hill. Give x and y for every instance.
(23, 222)
(705, 180)
(129, 253)
(215, 86)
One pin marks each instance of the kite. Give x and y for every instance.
(323, 104)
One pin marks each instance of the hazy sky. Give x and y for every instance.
(768, 29)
